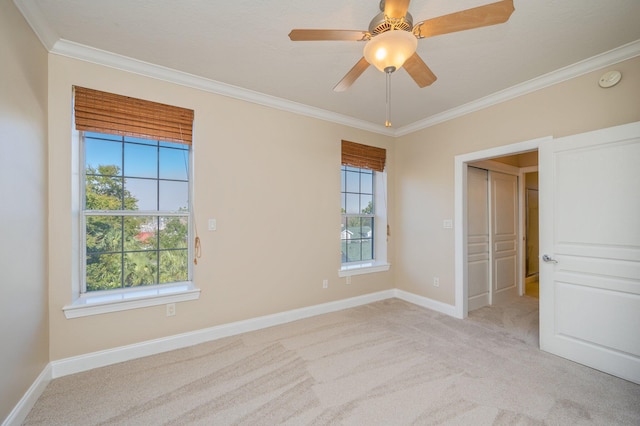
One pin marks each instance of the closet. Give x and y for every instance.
(492, 236)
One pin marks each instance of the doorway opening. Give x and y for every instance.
(499, 158)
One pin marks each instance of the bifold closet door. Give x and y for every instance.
(478, 238)
(503, 192)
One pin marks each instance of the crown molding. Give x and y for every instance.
(619, 54)
(101, 57)
(78, 51)
(52, 42)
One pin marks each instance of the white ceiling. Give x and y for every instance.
(244, 43)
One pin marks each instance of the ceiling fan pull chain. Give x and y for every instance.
(388, 72)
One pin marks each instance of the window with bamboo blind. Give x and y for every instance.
(363, 156)
(136, 186)
(103, 112)
(363, 208)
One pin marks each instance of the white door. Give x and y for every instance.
(590, 233)
(477, 238)
(504, 236)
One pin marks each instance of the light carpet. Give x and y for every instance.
(386, 363)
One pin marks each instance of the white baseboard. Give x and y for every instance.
(98, 359)
(28, 400)
(425, 302)
(93, 360)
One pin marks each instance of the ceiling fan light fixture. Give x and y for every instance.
(390, 49)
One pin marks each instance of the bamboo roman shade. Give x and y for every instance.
(103, 112)
(363, 156)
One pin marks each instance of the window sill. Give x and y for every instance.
(362, 268)
(121, 300)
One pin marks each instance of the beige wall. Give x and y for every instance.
(270, 178)
(24, 351)
(424, 191)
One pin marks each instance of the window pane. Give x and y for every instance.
(140, 233)
(367, 227)
(367, 250)
(140, 161)
(353, 203)
(103, 234)
(104, 272)
(343, 180)
(343, 202)
(343, 229)
(353, 251)
(95, 135)
(174, 232)
(141, 194)
(129, 251)
(141, 140)
(140, 268)
(353, 227)
(366, 204)
(174, 196)
(173, 266)
(103, 193)
(366, 183)
(174, 145)
(100, 153)
(174, 164)
(353, 182)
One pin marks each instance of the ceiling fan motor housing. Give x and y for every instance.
(380, 24)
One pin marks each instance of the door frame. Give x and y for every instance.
(460, 218)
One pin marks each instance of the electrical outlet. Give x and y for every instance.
(171, 309)
(348, 279)
(436, 281)
(325, 283)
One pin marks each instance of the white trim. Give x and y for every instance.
(101, 57)
(56, 45)
(89, 361)
(98, 359)
(115, 301)
(425, 302)
(362, 268)
(28, 400)
(614, 56)
(460, 206)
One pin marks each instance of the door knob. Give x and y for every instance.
(548, 259)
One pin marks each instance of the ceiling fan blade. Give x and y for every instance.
(419, 71)
(482, 16)
(396, 8)
(320, 35)
(352, 75)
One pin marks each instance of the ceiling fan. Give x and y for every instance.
(392, 37)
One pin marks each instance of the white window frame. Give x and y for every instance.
(379, 263)
(99, 302)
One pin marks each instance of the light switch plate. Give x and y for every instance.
(212, 225)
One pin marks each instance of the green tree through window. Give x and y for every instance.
(126, 246)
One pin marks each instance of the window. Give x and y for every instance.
(364, 223)
(133, 209)
(136, 212)
(358, 215)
